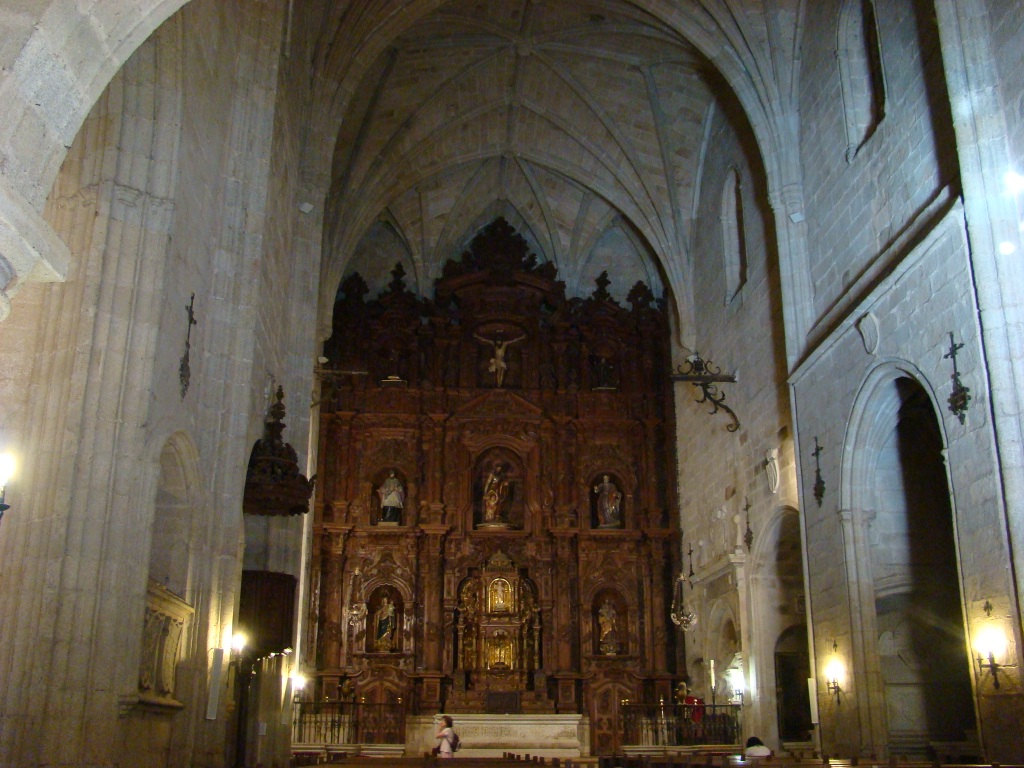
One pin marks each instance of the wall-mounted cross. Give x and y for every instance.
(961, 396)
(184, 369)
(748, 535)
(819, 483)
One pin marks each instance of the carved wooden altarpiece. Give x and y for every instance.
(494, 529)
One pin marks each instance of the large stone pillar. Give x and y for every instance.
(985, 147)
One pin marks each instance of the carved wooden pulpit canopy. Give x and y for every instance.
(497, 482)
(273, 483)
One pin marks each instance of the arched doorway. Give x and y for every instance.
(917, 588)
(918, 633)
(780, 711)
(792, 668)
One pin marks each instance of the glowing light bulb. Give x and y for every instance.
(7, 466)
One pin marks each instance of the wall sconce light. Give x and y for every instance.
(737, 684)
(835, 675)
(6, 472)
(990, 642)
(238, 643)
(298, 683)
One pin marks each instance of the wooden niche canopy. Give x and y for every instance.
(493, 527)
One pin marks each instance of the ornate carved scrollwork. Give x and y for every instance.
(706, 376)
(163, 626)
(581, 394)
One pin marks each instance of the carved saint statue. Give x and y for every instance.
(392, 499)
(499, 595)
(609, 500)
(384, 620)
(497, 365)
(607, 622)
(771, 468)
(495, 495)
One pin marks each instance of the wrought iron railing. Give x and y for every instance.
(672, 725)
(342, 722)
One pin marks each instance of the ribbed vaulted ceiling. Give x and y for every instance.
(580, 122)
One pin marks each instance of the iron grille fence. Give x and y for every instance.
(345, 722)
(680, 725)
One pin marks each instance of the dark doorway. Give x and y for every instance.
(792, 669)
(921, 642)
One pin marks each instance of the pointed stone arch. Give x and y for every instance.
(778, 615)
(175, 511)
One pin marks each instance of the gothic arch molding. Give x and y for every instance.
(774, 610)
(88, 47)
(872, 415)
(895, 525)
(176, 506)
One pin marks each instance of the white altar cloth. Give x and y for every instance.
(492, 735)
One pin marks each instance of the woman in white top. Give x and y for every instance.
(756, 748)
(447, 735)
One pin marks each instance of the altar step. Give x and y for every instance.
(498, 703)
(509, 760)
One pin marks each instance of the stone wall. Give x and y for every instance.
(720, 472)
(857, 207)
(894, 275)
(161, 196)
(836, 392)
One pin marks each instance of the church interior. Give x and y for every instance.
(610, 375)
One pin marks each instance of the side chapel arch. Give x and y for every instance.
(168, 628)
(896, 486)
(779, 629)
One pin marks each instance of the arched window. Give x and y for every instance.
(861, 74)
(734, 250)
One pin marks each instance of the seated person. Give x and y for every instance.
(756, 748)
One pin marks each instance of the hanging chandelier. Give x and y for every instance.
(682, 613)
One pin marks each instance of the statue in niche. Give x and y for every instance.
(495, 497)
(609, 501)
(501, 651)
(384, 620)
(499, 595)
(392, 499)
(346, 691)
(771, 469)
(608, 625)
(603, 372)
(497, 364)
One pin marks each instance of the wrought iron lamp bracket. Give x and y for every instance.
(706, 376)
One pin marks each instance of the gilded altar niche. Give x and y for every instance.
(498, 629)
(494, 525)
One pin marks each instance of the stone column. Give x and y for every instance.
(866, 691)
(985, 152)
